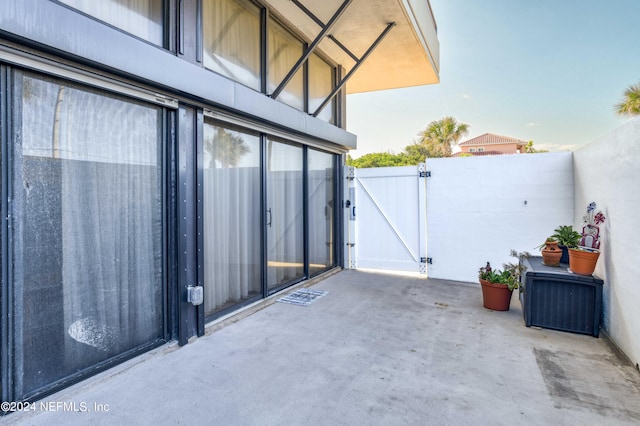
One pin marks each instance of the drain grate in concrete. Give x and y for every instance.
(303, 297)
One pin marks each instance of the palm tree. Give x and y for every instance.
(630, 105)
(225, 148)
(529, 149)
(441, 134)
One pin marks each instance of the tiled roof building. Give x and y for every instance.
(491, 144)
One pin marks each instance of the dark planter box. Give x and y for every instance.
(553, 297)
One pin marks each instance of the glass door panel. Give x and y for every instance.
(321, 194)
(88, 229)
(231, 217)
(284, 214)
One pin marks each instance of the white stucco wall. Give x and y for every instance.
(479, 208)
(607, 171)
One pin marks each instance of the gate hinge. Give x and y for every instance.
(350, 172)
(425, 174)
(426, 260)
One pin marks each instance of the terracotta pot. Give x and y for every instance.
(496, 297)
(551, 254)
(583, 262)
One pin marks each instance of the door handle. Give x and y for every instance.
(269, 221)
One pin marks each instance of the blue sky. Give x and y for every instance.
(550, 71)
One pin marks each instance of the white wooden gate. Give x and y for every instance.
(387, 218)
(479, 209)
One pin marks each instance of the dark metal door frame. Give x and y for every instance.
(189, 212)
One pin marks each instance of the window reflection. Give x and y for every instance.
(224, 148)
(231, 216)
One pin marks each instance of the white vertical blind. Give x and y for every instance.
(284, 51)
(285, 219)
(88, 228)
(231, 32)
(321, 195)
(320, 85)
(231, 196)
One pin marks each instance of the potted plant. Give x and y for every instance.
(551, 252)
(583, 259)
(566, 237)
(497, 285)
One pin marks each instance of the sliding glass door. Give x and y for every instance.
(231, 216)
(87, 226)
(268, 217)
(284, 214)
(321, 196)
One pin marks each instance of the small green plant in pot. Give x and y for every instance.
(551, 252)
(566, 237)
(497, 285)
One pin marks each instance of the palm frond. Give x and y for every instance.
(630, 104)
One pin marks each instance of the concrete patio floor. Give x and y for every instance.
(379, 349)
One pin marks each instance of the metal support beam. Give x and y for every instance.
(343, 47)
(308, 13)
(355, 68)
(319, 22)
(311, 48)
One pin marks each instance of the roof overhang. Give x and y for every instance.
(407, 56)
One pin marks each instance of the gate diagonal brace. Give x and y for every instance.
(395, 230)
